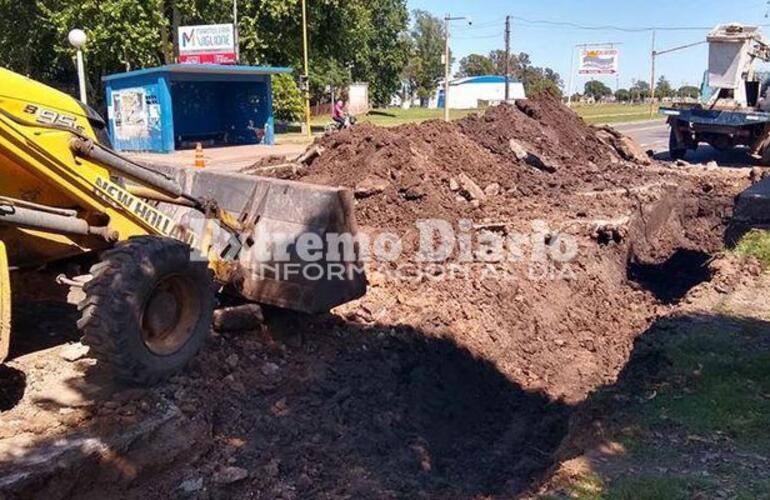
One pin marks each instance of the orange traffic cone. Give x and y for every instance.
(200, 160)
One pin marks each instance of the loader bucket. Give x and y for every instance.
(269, 261)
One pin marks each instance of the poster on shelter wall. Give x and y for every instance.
(598, 61)
(131, 115)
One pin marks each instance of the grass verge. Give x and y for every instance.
(756, 243)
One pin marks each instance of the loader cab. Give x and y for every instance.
(29, 101)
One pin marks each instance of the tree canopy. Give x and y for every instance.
(535, 79)
(425, 68)
(640, 90)
(622, 95)
(688, 91)
(476, 65)
(350, 39)
(663, 88)
(597, 89)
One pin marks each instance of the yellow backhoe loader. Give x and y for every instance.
(157, 243)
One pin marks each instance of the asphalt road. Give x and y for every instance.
(653, 134)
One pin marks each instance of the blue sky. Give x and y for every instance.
(552, 45)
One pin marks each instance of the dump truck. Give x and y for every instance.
(150, 247)
(734, 105)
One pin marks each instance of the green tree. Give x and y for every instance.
(597, 89)
(640, 90)
(365, 38)
(387, 49)
(426, 69)
(622, 95)
(288, 103)
(663, 88)
(688, 91)
(497, 57)
(535, 79)
(476, 65)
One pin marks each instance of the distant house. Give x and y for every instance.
(477, 92)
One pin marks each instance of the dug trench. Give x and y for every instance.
(431, 386)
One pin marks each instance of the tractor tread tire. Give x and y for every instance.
(675, 152)
(112, 309)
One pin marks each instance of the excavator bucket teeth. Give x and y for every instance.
(5, 304)
(294, 245)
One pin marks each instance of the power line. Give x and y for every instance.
(478, 37)
(608, 27)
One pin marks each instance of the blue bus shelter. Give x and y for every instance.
(179, 105)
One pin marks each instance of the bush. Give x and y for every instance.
(288, 104)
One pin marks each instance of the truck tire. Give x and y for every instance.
(148, 308)
(674, 150)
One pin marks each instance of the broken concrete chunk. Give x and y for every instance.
(270, 369)
(517, 149)
(239, 318)
(74, 352)
(311, 154)
(535, 161)
(630, 150)
(191, 485)
(626, 147)
(370, 186)
(492, 190)
(229, 475)
(470, 187)
(453, 185)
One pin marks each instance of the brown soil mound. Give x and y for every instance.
(431, 386)
(565, 336)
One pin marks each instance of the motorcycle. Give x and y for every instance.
(334, 126)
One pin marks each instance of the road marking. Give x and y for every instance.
(656, 127)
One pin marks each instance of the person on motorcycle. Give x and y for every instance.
(339, 115)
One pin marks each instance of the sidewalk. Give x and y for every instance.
(230, 158)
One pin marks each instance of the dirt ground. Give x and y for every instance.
(434, 385)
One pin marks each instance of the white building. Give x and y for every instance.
(477, 91)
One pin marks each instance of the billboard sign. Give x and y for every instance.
(598, 61)
(210, 44)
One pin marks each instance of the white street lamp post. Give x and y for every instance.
(77, 39)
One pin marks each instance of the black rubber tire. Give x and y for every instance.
(113, 311)
(674, 151)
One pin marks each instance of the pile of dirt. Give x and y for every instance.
(439, 383)
(534, 169)
(538, 148)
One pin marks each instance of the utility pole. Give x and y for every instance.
(652, 77)
(306, 76)
(507, 58)
(236, 34)
(447, 62)
(446, 68)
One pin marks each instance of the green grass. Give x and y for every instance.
(392, 117)
(716, 385)
(614, 113)
(709, 393)
(657, 488)
(756, 244)
(592, 487)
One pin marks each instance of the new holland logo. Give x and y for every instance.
(157, 220)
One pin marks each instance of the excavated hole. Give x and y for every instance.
(670, 280)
